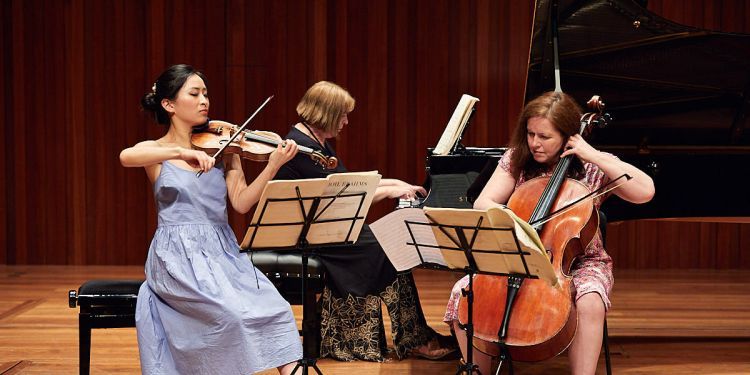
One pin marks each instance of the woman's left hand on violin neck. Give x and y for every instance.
(285, 151)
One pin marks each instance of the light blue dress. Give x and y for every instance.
(204, 308)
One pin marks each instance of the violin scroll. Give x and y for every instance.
(326, 162)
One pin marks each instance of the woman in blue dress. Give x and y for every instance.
(204, 308)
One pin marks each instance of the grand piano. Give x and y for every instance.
(679, 96)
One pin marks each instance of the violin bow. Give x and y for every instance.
(237, 133)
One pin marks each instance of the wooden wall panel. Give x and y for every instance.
(75, 183)
(744, 254)
(5, 64)
(16, 107)
(73, 73)
(667, 244)
(49, 70)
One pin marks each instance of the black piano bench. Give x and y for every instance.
(103, 304)
(284, 270)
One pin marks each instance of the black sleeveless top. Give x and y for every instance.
(302, 166)
(360, 269)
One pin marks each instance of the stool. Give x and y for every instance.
(284, 269)
(104, 304)
(111, 303)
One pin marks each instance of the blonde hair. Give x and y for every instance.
(323, 105)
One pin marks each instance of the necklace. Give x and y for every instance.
(313, 134)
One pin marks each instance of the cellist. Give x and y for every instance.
(547, 130)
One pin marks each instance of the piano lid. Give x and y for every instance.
(680, 98)
(656, 77)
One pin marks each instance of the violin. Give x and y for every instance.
(256, 145)
(544, 319)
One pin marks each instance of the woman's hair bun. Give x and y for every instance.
(149, 102)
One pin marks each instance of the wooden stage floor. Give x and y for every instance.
(662, 322)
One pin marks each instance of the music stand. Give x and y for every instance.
(461, 241)
(458, 147)
(313, 214)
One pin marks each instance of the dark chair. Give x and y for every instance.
(103, 304)
(111, 303)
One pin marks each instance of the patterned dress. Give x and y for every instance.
(592, 272)
(204, 308)
(359, 279)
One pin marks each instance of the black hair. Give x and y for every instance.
(167, 86)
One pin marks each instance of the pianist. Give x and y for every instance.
(548, 130)
(360, 277)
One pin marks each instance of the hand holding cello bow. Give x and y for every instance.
(547, 131)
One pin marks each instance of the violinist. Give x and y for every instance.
(547, 131)
(204, 308)
(359, 277)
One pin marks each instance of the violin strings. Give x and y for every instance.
(592, 195)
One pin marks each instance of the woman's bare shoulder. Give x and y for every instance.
(149, 143)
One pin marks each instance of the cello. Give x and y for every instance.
(541, 320)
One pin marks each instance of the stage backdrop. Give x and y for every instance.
(73, 72)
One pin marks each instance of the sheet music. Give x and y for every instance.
(537, 261)
(456, 125)
(393, 235)
(483, 239)
(489, 242)
(352, 182)
(285, 220)
(490, 233)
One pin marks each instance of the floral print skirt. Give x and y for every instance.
(352, 327)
